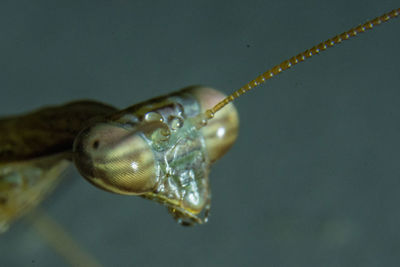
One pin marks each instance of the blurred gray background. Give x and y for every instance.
(314, 178)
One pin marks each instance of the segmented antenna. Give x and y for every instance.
(209, 114)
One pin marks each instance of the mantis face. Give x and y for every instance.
(156, 150)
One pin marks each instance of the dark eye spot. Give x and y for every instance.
(3, 200)
(96, 144)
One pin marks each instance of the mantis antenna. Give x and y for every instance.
(209, 114)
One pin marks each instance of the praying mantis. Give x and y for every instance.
(259, 111)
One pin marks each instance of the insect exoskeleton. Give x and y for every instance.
(220, 132)
(35, 150)
(158, 150)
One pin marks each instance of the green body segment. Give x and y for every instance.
(23, 185)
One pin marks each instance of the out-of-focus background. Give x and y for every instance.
(314, 178)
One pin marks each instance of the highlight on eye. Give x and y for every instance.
(115, 159)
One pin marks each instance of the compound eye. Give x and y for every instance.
(115, 159)
(221, 132)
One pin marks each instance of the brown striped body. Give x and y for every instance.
(47, 131)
